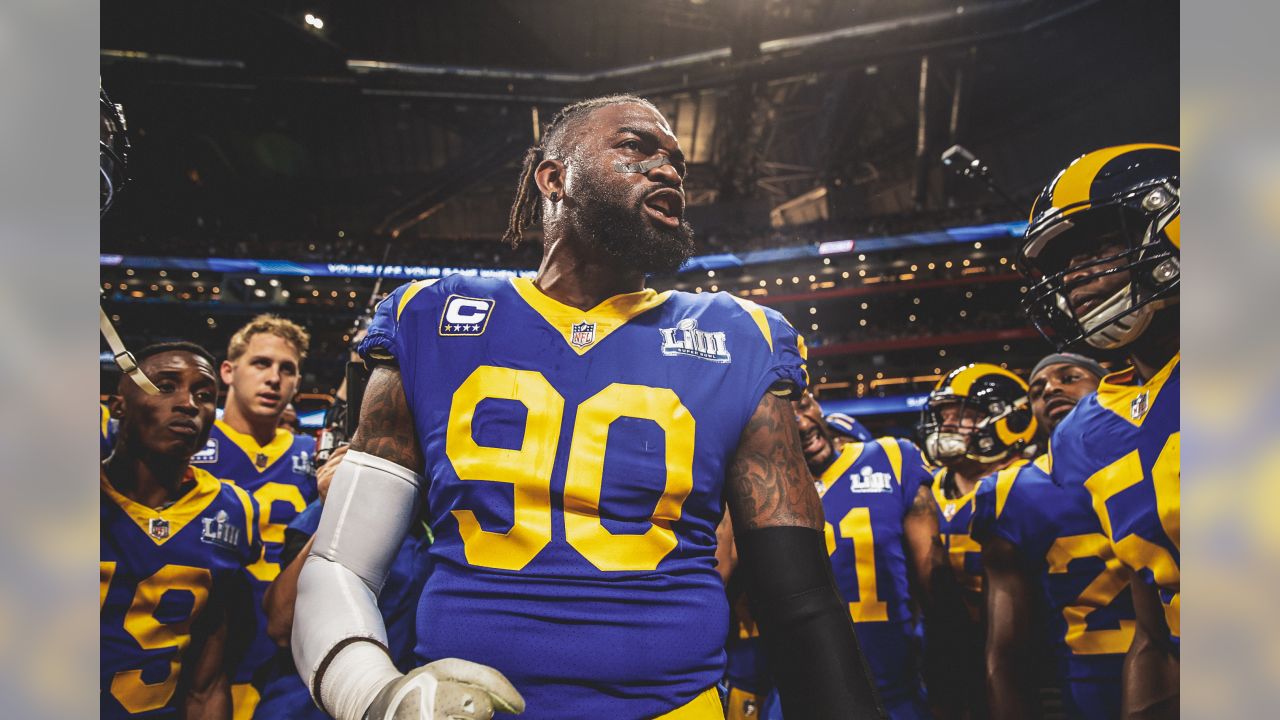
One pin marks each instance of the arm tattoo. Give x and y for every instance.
(386, 425)
(768, 483)
(923, 503)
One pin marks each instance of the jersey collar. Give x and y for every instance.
(593, 325)
(1129, 400)
(161, 525)
(260, 456)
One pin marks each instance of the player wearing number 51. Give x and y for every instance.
(248, 446)
(1104, 246)
(174, 545)
(572, 441)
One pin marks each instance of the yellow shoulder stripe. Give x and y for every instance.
(249, 520)
(757, 314)
(1004, 483)
(893, 451)
(848, 455)
(412, 290)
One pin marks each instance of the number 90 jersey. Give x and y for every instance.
(1123, 445)
(576, 462)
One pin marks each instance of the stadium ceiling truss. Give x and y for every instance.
(860, 107)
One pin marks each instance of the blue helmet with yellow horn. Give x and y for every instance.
(978, 412)
(1112, 211)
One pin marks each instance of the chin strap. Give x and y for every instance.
(124, 358)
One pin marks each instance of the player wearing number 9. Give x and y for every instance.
(175, 543)
(572, 442)
(1104, 247)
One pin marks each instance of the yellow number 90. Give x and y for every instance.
(529, 470)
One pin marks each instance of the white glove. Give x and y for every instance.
(449, 689)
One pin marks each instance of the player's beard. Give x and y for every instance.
(620, 227)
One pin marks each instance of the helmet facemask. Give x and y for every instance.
(1139, 223)
(113, 152)
(980, 442)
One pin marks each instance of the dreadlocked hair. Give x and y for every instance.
(526, 209)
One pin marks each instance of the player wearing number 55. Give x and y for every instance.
(174, 547)
(1104, 248)
(572, 441)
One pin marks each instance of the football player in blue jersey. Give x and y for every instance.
(1049, 566)
(1104, 249)
(976, 420)
(882, 534)
(174, 545)
(248, 446)
(572, 441)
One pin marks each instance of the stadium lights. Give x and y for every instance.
(314, 21)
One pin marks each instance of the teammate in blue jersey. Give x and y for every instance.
(882, 534)
(579, 437)
(1104, 247)
(284, 695)
(977, 420)
(1048, 563)
(174, 545)
(248, 446)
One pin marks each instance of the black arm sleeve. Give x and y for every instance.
(805, 626)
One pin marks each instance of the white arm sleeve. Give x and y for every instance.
(370, 506)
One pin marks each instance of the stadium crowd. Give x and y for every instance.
(1014, 557)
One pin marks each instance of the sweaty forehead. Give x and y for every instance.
(179, 362)
(613, 118)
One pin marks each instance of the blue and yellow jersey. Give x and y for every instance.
(576, 461)
(281, 479)
(160, 570)
(866, 494)
(1123, 445)
(107, 426)
(964, 554)
(1058, 539)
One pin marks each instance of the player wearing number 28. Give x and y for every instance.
(175, 542)
(1104, 245)
(572, 441)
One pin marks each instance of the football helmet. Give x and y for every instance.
(1003, 424)
(1125, 197)
(113, 151)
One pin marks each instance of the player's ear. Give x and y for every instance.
(550, 177)
(225, 371)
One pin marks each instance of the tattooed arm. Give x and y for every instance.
(923, 544)
(805, 624)
(386, 424)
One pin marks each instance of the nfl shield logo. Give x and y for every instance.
(1138, 407)
(583, 334)
(159, 528)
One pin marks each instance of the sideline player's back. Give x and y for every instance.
(576, 463)
(159, 571)
(1057, 537)
(866, 494)
(1123, 445)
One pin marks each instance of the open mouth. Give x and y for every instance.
(812, 443)
(1058, 408)
(666, 206)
